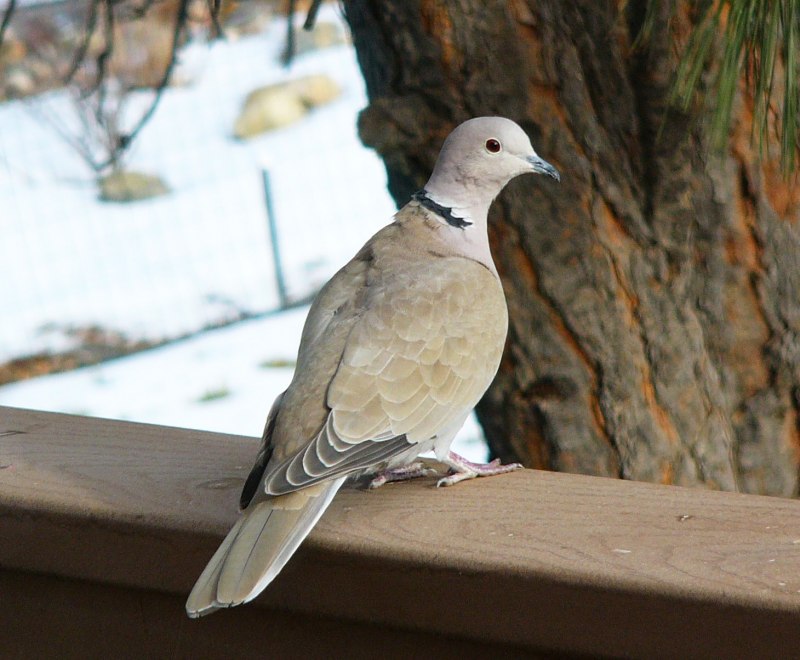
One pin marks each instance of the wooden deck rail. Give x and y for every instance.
(104, 526)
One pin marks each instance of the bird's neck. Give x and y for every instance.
(444, 212)
(462, 209)
(463, 226)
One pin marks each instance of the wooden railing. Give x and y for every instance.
(104, 526)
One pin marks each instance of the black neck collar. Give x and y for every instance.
(445, 212)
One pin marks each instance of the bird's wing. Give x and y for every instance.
(298, 414)
(418, 356)
(253, 481)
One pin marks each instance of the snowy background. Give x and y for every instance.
(171, 266)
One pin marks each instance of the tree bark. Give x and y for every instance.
(654, 295)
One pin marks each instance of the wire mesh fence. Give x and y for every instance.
(201, 254)
(81, 276)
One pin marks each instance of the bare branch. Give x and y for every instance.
(79, 142)
(100, 97)
(7, 14)
(214, 8)
(108, 48)
(180, 25)
(311, 17)
(83, 48)
(135, 12)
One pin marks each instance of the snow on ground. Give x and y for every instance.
(173, 265)
(223, 380)
(168, 266)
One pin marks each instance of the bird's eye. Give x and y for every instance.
(493, 146)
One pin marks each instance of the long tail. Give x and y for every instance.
(258, 547)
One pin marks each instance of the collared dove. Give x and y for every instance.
(397, 349)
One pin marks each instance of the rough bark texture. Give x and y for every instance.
(654, 294)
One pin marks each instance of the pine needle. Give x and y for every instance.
(757, 39)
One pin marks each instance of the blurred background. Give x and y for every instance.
(165, 223)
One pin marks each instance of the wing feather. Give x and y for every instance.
(408, 369)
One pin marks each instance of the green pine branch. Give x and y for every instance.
(758, 39)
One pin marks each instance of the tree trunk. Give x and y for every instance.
(654, 294)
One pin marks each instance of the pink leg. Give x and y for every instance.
(461, 469)
(410, 471)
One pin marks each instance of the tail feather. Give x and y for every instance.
(203, 599)
(258, 547)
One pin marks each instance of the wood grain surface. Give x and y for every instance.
(534, 559)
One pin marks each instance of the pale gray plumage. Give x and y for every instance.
(397, 349)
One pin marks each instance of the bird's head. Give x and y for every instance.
(484, 154)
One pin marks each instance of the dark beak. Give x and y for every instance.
(541, 166)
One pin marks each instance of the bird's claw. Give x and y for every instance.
(411, 471)
(461, 469)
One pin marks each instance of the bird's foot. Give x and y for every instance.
(410, 471)
(462, 469)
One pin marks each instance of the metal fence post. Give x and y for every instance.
(283, 296)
